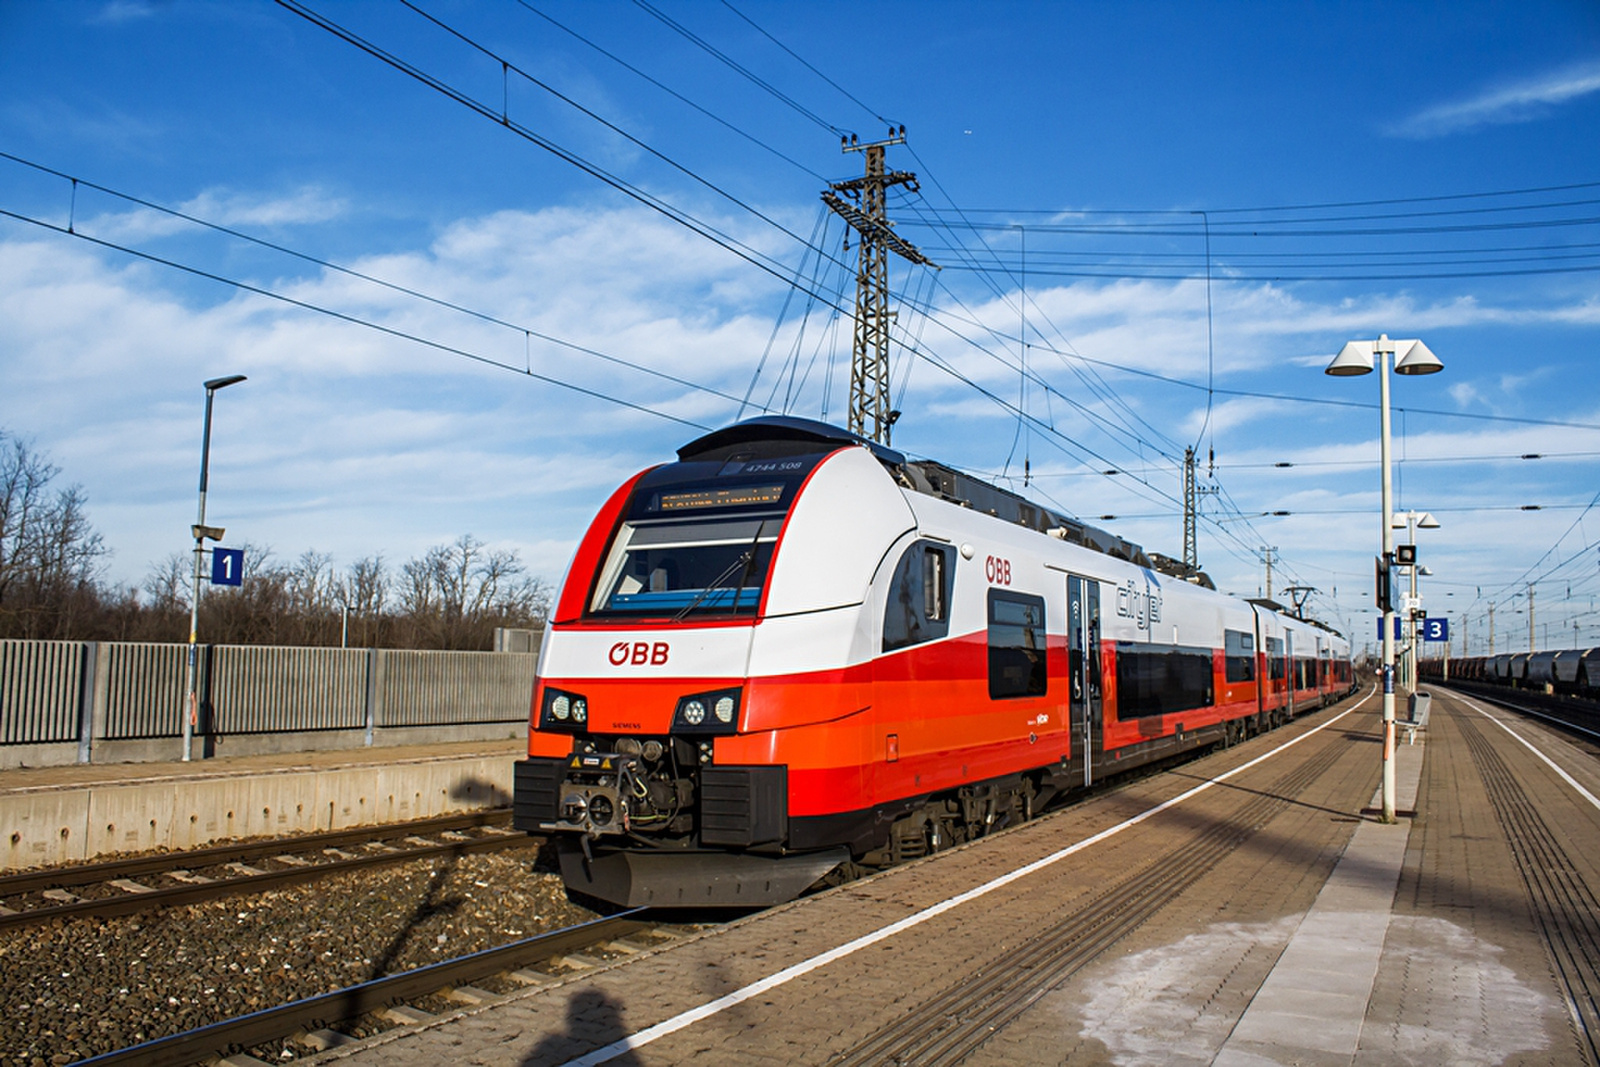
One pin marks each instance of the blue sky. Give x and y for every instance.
(450, 328)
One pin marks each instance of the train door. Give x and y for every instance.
(1293, 667)
(1083, 667)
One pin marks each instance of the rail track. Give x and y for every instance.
(170, 879)
(1576, 715)
(311, 1021)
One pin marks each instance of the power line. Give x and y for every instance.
(1280, 208)
(373, 279)
(806, 63)
(507, 65)
(655, 203)
(355, 320)
(673, 92)
(740, 69)
(1285, 276)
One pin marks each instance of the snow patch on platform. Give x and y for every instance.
(1177, 1004)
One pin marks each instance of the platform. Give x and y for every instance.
(51, 815)
(1239, 910)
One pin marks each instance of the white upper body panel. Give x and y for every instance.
(845, 519)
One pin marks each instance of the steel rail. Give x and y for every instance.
(1547, 707)
(273, 1024)
(175, 896)
(89, 873)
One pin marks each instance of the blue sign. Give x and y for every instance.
(1436, 629)
(227, 566)
(1396, 628)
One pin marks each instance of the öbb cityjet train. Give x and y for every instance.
(795, 651)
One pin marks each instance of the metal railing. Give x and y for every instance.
(65, 692)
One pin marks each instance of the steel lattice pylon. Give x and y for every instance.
(871, 415)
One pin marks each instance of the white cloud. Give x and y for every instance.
(119, 11)
(1523, 101)
(235, 210)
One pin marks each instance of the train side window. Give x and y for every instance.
(919, 597)
(1161, 679)
(1017, 645)
(1275, 666)
(1239, 655)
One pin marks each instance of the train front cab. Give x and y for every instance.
(702, 683)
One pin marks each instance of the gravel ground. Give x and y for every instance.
(78, 988)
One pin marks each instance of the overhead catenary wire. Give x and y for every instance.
(755, 258)
(713, 116)
(809, 66)
(728, 61)
(327, 264)
(921, 324)
(354, 320)
(1022, 339)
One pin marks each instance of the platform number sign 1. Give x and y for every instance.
(1435, 628)
(227, 566)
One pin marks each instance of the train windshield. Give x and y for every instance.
(683, 568)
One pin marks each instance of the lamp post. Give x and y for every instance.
(1411, 522)
(1357, 357)
(202, 532)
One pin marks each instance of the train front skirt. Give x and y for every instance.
(683, 878)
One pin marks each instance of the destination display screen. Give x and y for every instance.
(740, 496)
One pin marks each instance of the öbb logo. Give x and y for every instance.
(639, 653)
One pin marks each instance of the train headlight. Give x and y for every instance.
(716, 712)
(563, 710)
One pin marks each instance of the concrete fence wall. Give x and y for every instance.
(66, 701)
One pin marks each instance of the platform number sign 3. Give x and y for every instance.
(1435, 628)
(227, 566)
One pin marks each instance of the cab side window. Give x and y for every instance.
(1017, 646)
(919, 596)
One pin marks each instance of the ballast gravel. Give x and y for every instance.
(78, 988)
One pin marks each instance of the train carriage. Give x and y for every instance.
(794, 650)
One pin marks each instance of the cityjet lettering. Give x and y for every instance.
(1143, 606)
(639, 653)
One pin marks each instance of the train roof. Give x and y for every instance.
(775, 435)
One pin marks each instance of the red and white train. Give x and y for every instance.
(794, 650)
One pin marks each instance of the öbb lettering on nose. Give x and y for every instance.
(639, 653)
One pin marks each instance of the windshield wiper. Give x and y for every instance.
(746, 559)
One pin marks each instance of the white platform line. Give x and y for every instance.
(1590, 797)
(789, 974)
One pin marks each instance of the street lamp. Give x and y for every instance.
(1411, 522)
(202, 533)
(1357, 357)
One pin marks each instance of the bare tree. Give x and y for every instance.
(166, 586)
(49, 554)
(363, 592)
(451, 597)
(456, 594)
